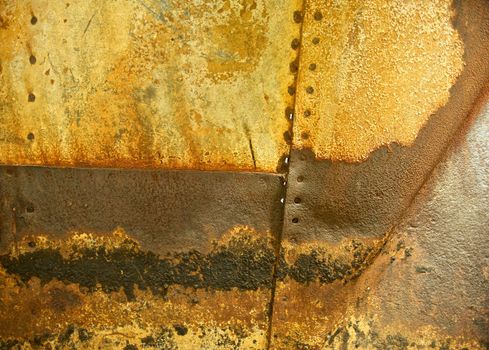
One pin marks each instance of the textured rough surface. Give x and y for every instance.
(145, 83)
(440, 250)
(184, 258)
(356, 101)
(427, 286)
(382, 68)
(432, 277)
(92, 291)
(166, 211)
(341, 200)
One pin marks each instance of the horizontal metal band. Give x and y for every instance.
(165, 211)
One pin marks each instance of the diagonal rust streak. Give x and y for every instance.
(278, 242)
(456, 140)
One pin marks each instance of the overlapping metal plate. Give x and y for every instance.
(390, 67)
(244, 174)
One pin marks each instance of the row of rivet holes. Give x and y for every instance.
(32, 60)
(295, 45)
(30, 136)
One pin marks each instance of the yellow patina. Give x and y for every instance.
(372, 72)
(204, 86)
(166, 84)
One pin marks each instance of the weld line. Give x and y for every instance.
(278, 242)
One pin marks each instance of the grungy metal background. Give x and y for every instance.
(244, 174)
(146, 83)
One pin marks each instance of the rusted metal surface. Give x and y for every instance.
(178, 258)
(332, 204)
(341, 199)
(380, 69)
(145, 83)
(93, 291)
(427, 288)
(153, 206)
(348, 106)
(433, 275)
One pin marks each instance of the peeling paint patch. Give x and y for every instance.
(381, 69)
(106, 287)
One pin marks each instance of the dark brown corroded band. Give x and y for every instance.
(244, 264)
(165, 211)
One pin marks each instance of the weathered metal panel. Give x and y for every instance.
(429, 286)
(354, 101)
(425, 287)
(354, 199)
(166, 211)
(343, 202)
(145, 83)
(372, 73)
(160, 259)
(141, 258)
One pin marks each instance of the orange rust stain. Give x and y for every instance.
(210, 317)
(34, 309)
(372, 72)
(146, 84)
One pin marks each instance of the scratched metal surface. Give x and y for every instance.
(342, 109)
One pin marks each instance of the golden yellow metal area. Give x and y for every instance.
(166, 84)
(204, 85)
(372, 72)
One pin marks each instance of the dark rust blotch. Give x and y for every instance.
(243, 265)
